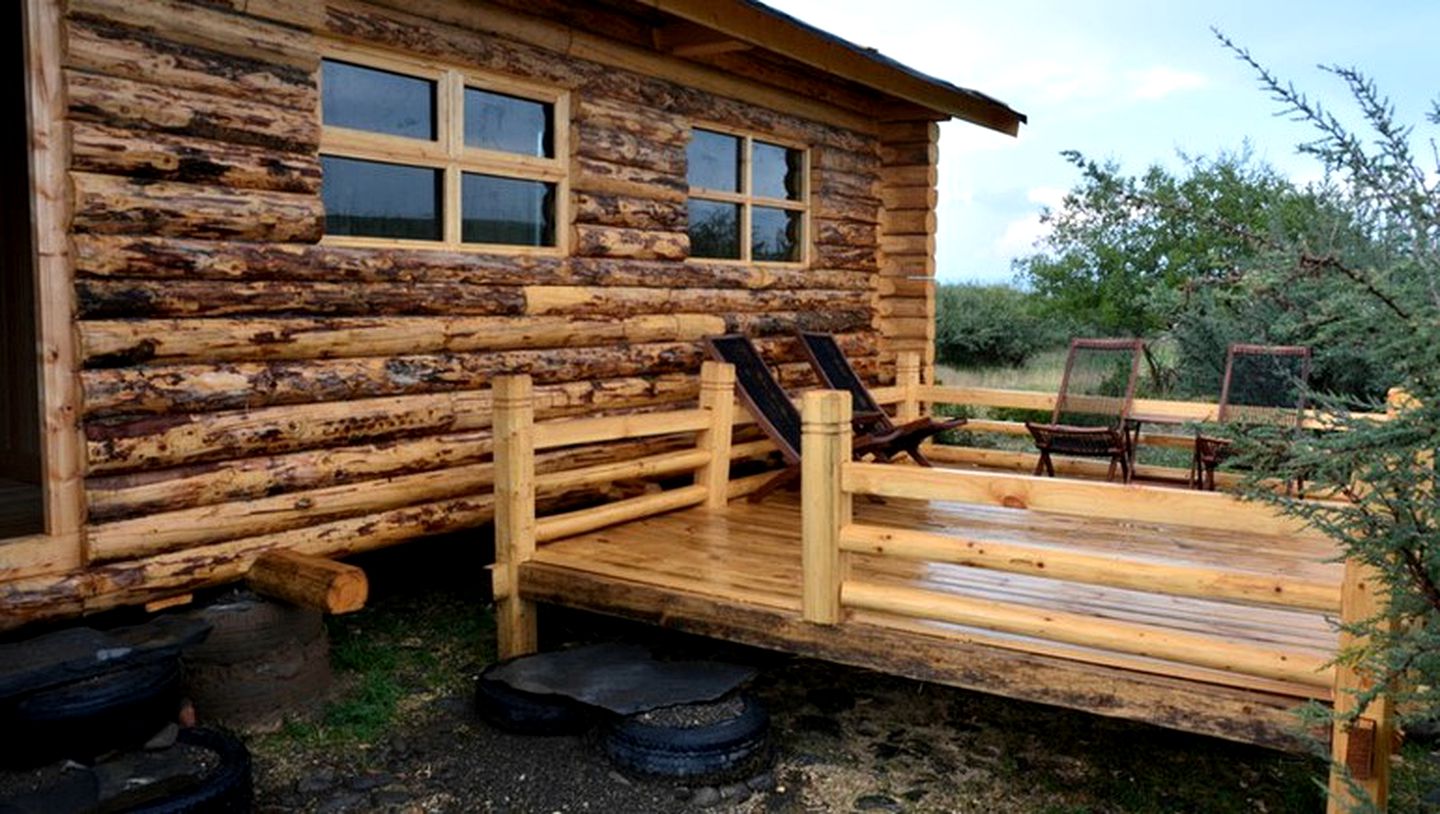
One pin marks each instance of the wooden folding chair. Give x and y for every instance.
(1263, 384)
(1098, 382)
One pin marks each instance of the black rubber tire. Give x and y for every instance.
(84, 719)
(733, 748)
(527, 713)
(246, 627)
(229, 789)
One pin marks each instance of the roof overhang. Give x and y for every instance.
(758, 25)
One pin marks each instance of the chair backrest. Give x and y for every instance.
(1098, 385)
(836, 372)
(1264, 384)
(759, 392)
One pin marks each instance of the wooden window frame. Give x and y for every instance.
(448, 152)
(747, 201)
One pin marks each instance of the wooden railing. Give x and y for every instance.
(518, 438)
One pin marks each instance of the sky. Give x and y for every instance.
(1137, 82)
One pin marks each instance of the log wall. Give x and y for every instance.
(247, 385)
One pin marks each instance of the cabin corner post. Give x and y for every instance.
(824, 506)
(717, 395)
(907, 376)
(514, 438)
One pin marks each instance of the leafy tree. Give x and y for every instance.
(990, 325)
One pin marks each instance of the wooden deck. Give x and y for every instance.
(736, 573)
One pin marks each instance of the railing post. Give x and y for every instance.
(717, 394)
(825, 507)
(514, 512)
(1363, 746)
(907, 377)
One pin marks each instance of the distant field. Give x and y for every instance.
(1041, 372)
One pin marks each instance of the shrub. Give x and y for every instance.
(989, 326)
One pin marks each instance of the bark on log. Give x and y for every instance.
(850, 233)
(629, 149)
(622, 301)
(99, 299)
(308, 581)
(834, 159)
(630, 213)
(843, 207)
(121, 343)
(606, 177)
(232, 386)
(165, 441)
(101, 47)
(108, 204)
(636, 120)
(910, 152)
(197, 25)
(778, 322)
(125, 103)
(117, 151)
(846, 184)
(630, 244)
(847, 257)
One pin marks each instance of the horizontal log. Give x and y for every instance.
(634, 244)
(923, 244)
(850, 233)
(209, 28)
(103, 586)
(140, 105)
(578, 431)
(1115, 570)
(607, 177)
(905, 307)
(834, 159)
(108, 204)
(844, 207)
(630, 213)
(100, 299)
(194, 260)
(1310, 669)
(863, 258)
(102, 47)
(633, 119)
(900, 131)
(847, 185)
(310, 582)
(921, 287)
(775, 322)
(232, 386)
(909, 197)
(618, 301)
(630, 149)
(1133, 502)
(126, 342)
(665, 463)
(909, 152)
(116, 497)
(561, 526)
(159, 156)
(909, 175)
(908, 222)
(166, 441)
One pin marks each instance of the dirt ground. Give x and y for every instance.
(400, 734)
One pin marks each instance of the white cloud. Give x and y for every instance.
(1160, 81)
(1020, 235)
(1052, 197)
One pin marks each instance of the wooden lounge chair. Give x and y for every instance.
(1098, 383)
(777, 415)
(836, 372)
(1263, 384)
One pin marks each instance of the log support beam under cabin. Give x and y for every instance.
(309, 581)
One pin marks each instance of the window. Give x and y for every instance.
(747, 198)
(415, 152)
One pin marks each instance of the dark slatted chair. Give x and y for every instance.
(1263, 384)
(1092, 409)
(777, 415)
(836, 372)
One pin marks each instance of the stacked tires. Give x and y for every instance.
(262, 661)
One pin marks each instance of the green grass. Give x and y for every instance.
(392, 656)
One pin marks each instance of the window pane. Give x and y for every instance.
(372, 199)
(506, 210)
(494, 121)
(713, 160)
(778, 172)
(775, 234)
(714, 229)
(377, 101)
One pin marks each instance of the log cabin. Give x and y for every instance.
(322, 277)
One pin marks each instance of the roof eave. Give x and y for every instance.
(764, 27)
